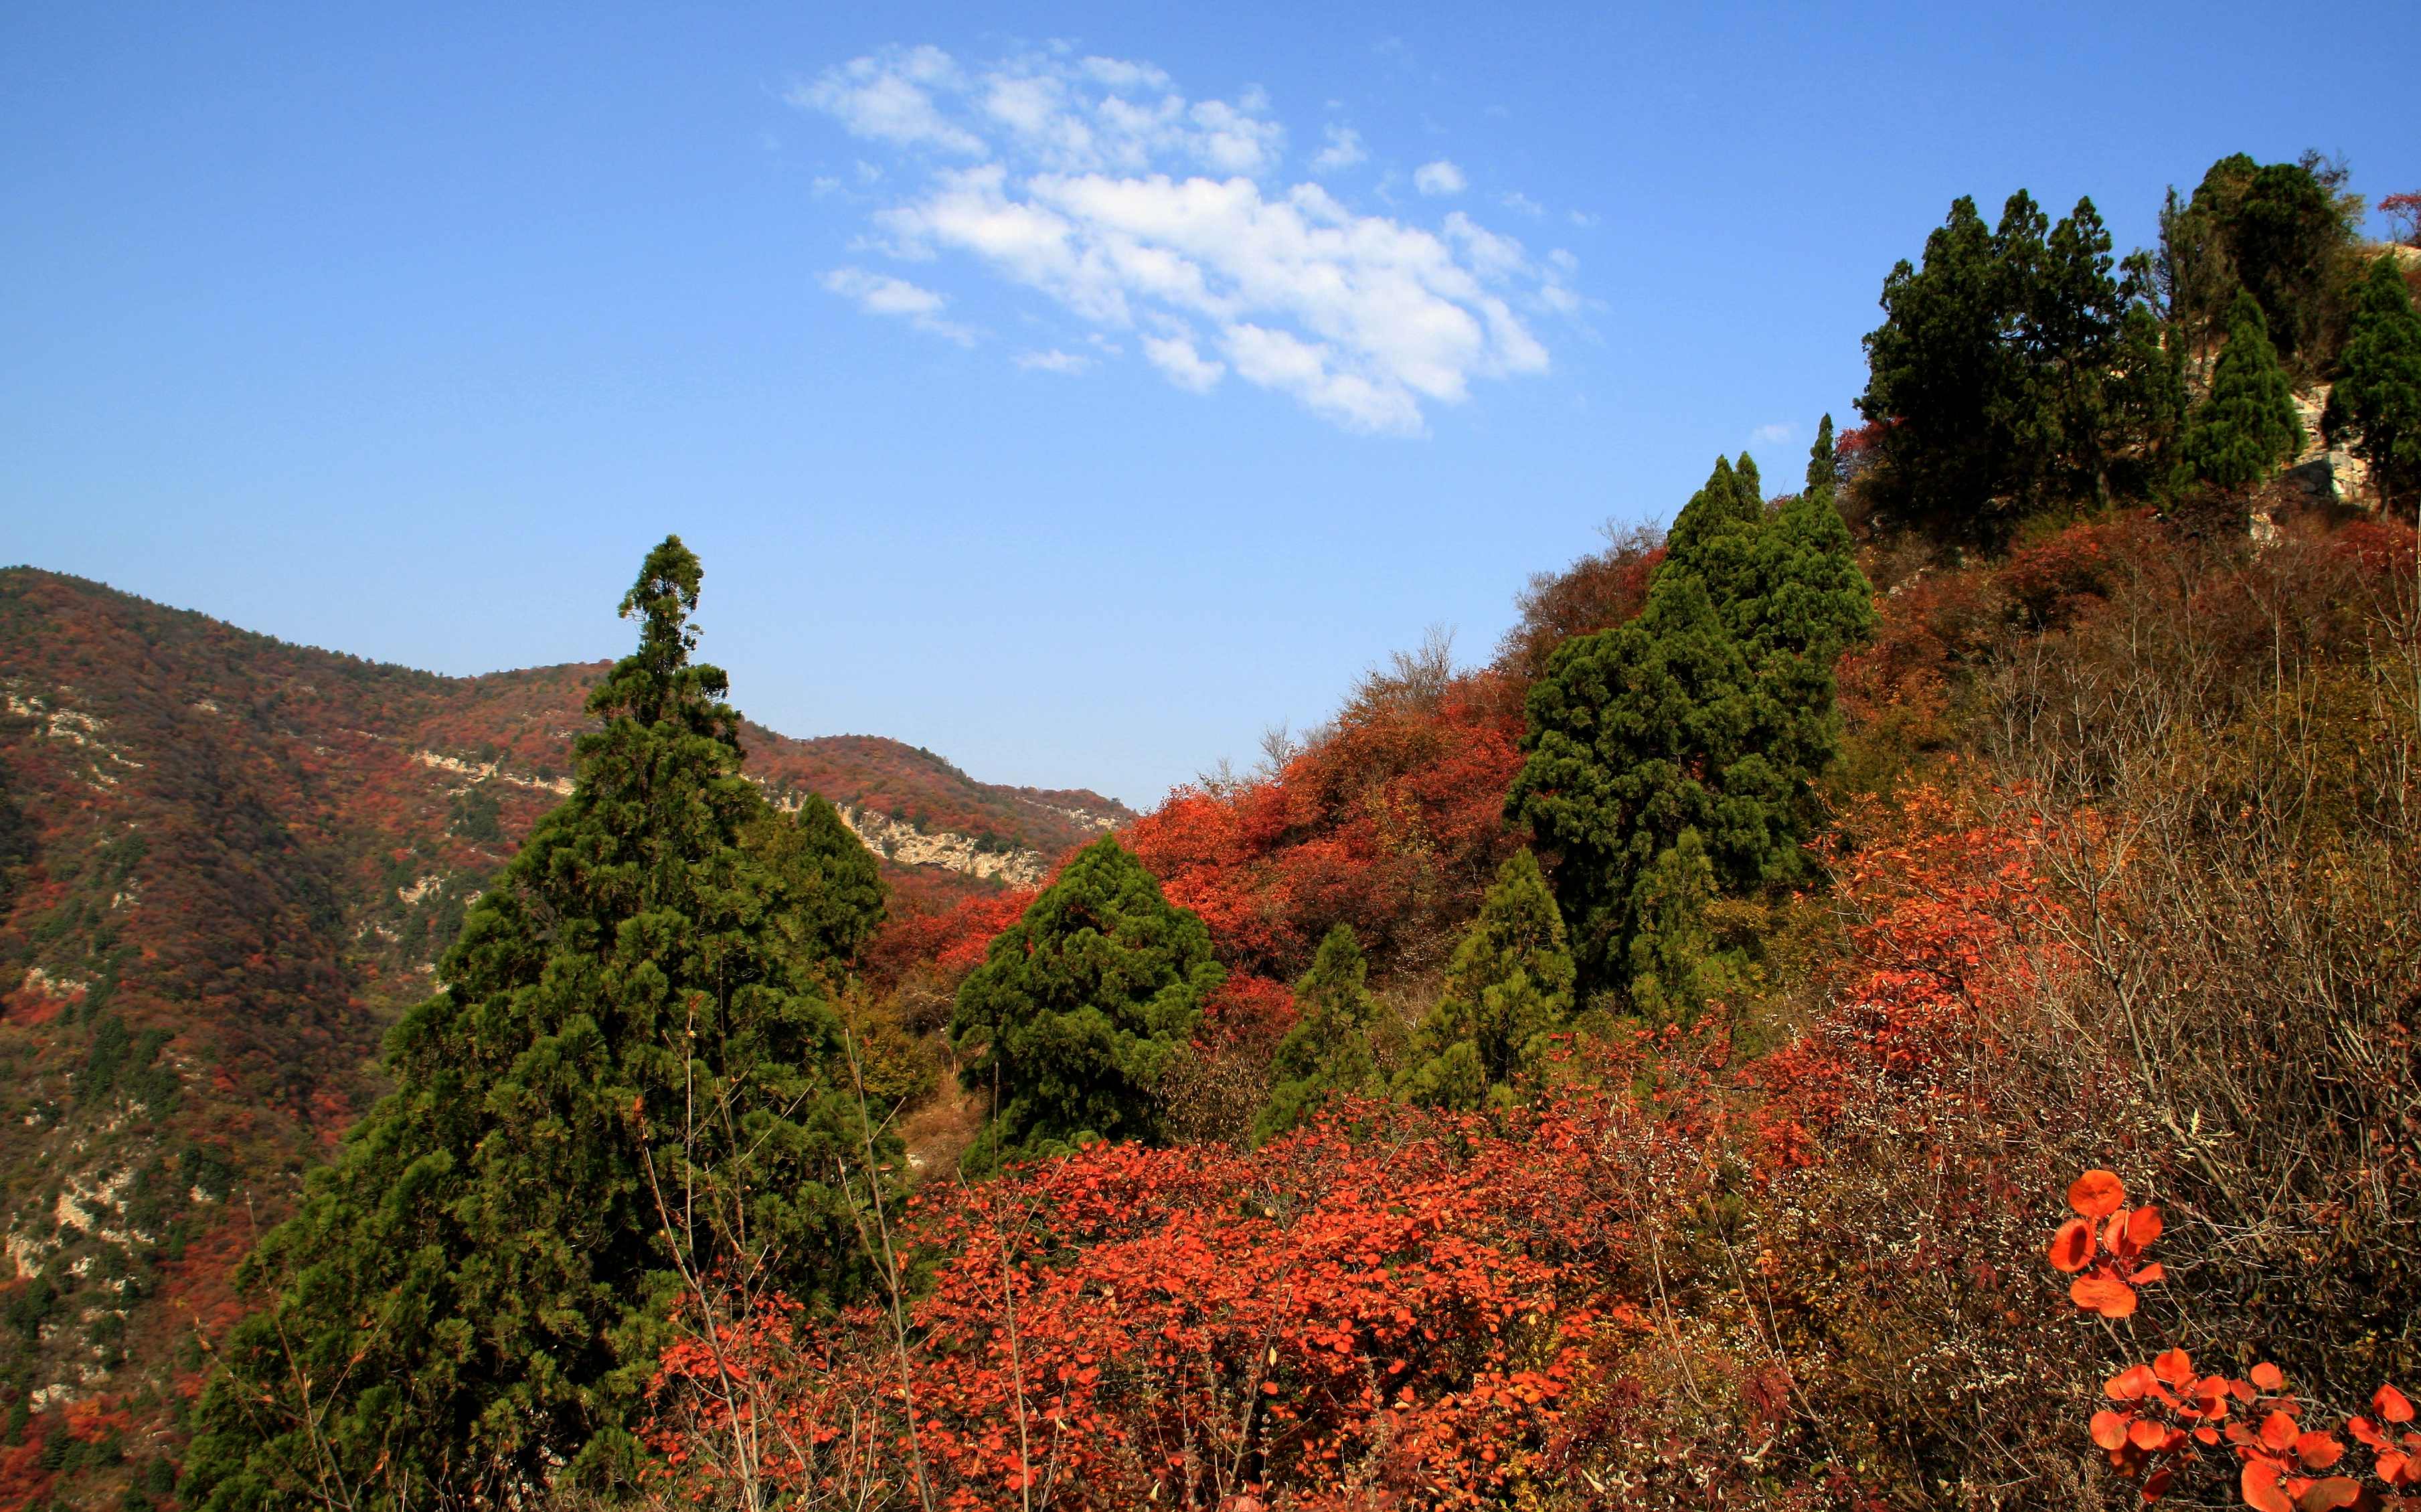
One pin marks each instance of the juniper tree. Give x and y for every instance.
(1327, 1053)
(467, 1306)
(1080, 1008)
(2247, 429)
(2380, 395)
(1508, 989)
(1712, 712)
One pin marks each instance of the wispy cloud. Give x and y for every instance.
(1521, 204)
(881, 294)
(1439, 178)
(1344, 151)
(1054, 361)
(1773, 434)
(1142, 213)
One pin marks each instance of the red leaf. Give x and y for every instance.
(2277, 1430)
(2260, 1484)
(2145, 1434)
(2109, 1429)
(2268, 1377)
(2174, 1366)
(2072, 1248)
(2144, 1226)
(2105, 1295)
(2132, 1384)
(2392, 1405)
(2326, 1495)
(2317, 1451)
(2148, 1276)
(2096, 1194)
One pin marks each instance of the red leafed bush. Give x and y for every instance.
(1384, 1313)
(2164, 1412)
(1391, 820)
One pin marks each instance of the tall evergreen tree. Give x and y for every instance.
(467, 1306)
(1327, 1053)
(1508, 989)
(1674, 967)
(2380, 395)
(2248, 427)
(1081, 1007)
(1992, 374)
(1711, 713)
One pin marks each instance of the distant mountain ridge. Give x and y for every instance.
(226, 863)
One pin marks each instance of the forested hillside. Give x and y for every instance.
(1895, 990)
(227, 864)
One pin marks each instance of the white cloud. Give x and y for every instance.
(1054, 361)
(1439, 178)
(1583, 218)
(1184, 366)
(1152, 216)
(881, 294)
(1768, 435)
(1521, 204)
(1344, 151)
(889, 97)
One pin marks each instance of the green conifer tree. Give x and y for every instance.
(1079, 1007)
(2380, 395)
(466, 1309)
(2247, 429)
(1508, 987)
(1327, 1053)
(1674, 967)
(1714, 713)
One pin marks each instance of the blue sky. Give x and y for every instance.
(1075, 397)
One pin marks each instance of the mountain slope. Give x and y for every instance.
(226, 864)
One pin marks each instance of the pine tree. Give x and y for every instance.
(1508, 989)
(1675, 968)
(2380, 395)
(1079, 1007)
(1713, 711)
(466, 1308)
(2247, 429)
(1327, 1052)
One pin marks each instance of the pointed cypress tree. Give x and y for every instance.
(1711, 712)
(1674, 969)
(466, 1308)
(1079, 1007)
(1508, 987)
(2381, 392)
(1327, 1052)
(2247, 429)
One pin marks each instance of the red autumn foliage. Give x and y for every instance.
(1391, 822)
(1394, 1308)
(2165, 1411)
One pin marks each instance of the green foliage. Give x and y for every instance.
(2247, 429)
(1711, 714)
(1508, 987)
(1079, 1007)
(2380, 395)
(1676, 969)
(467, 1306)
(832, 918)
(120, 1063)
(477, 815)
(2000, 372)
(2282, 232)
(1328, 1051)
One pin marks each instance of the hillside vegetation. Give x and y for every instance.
(1896, 992)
